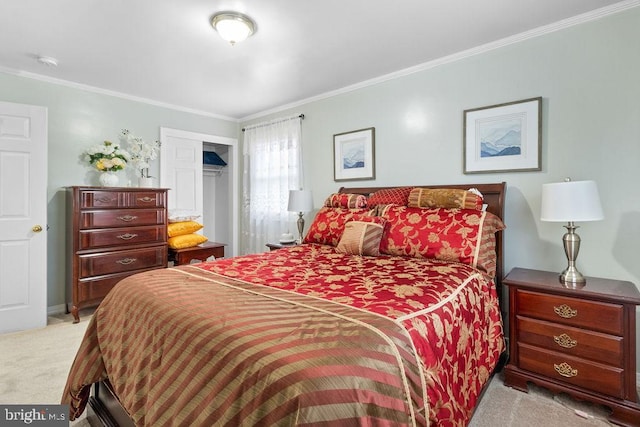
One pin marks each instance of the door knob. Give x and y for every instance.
(36, 229)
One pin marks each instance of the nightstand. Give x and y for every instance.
(578, 341)
(199, 253)
(274, 246)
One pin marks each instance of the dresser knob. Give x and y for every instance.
(127, 218)
(126, 261)
(147, 199)
(565, 341)
(565, 311)
(565, 370)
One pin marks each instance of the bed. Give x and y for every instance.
(388, 314)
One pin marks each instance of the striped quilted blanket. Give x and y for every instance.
(301, 336)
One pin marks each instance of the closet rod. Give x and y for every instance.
(259, 125)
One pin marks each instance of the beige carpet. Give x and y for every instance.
(34, 365)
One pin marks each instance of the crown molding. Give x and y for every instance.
(107, 92)
(537, 32)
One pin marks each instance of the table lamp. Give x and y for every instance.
(571, 201)
(300, 201)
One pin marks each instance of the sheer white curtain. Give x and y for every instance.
(272, 167)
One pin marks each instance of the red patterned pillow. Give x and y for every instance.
(450, 198)
(346, 200)
(361, 238)
(390, 196)
(446, 234)
(328, 225)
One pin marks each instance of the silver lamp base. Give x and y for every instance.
(571, 277)
(300, 227)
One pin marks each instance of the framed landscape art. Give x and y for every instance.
(354, 155)
(504, 137)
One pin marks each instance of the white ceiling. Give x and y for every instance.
(167, 52)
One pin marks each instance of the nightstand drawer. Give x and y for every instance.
(572, 370)
(596, 346)
(594, 315)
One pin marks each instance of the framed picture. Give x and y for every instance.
(503, 138)
(354, 155)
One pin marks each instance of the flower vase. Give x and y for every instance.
(108, 179)
(145, 182)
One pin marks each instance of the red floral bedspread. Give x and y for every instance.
(330, 338)
(450, 310)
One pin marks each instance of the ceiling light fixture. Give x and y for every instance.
(233, 27)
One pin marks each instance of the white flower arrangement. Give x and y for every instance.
(141, 151)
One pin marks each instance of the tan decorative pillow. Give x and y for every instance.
(183, 227)
(361, 238)
(448, 198)
(186, 241)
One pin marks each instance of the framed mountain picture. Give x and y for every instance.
(354, 155)
(504, 137)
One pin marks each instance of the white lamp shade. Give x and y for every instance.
(300, 201)
(571, 201)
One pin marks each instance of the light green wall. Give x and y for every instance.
(79, 119)
(589, 78)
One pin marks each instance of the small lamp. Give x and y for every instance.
(571, 201)
(300, 201)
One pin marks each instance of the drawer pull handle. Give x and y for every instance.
(565, 341)
(147, 199)
(565, 370)
(127, 218)
(565, 311)
(126, 261)
(127, 236)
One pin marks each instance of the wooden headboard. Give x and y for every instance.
(493, 195)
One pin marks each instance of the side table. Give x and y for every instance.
(200, 253)
(578, 341)
(275, 246)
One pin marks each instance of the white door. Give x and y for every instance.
(23, 217)
(181, 173)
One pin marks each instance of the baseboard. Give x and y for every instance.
(56, 309)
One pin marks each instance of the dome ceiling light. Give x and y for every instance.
(233, 27)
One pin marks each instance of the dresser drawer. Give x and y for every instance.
(103, 238)
(572, 370)
(121, 199)
(595, 346)
(120, 261)
(91, 290)
(122, 218)
(594, 315)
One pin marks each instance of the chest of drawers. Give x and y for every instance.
(578, 341)
(112, 233)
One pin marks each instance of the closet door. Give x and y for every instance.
(181, 169)
(181, 172)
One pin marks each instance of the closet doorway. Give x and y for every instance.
(193, 186)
